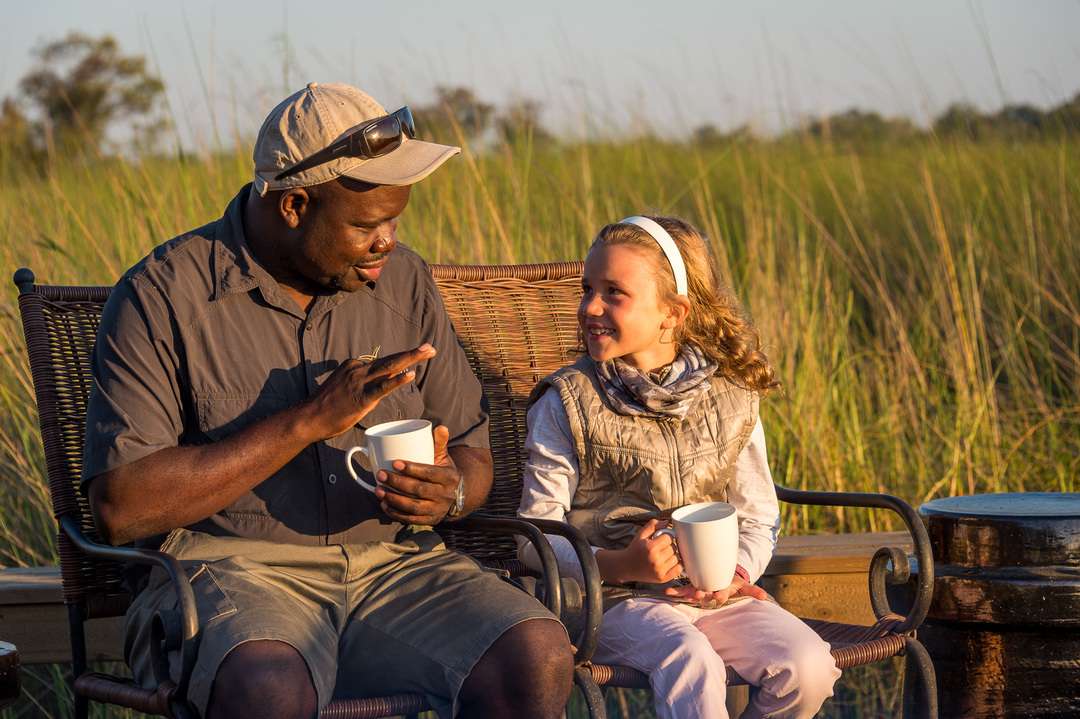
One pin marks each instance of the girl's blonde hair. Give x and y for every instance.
(716, 323)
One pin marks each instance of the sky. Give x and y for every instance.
(597, 67)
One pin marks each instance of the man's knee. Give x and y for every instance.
(540, 644)
(263, 678)
(530, 667)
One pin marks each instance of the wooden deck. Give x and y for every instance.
(819, 576)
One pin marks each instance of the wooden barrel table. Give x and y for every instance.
(1004, 627)
(9, 673)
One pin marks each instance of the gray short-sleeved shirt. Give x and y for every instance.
(197, 341)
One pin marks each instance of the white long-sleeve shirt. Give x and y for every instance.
(551, 479)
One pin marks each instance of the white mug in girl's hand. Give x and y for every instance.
(409, 440)
(707, 537)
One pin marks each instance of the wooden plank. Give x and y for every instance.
(40, 631)
(814, 576)
(840, 597)
(832, 553)
(30, 585)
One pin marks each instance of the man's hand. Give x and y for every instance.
(646, 559)
(738, 587)
(355, 388)
(420, 493)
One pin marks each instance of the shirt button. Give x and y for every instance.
(332, 479)
(307, 328)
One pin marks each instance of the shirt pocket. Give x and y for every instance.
(221, 414)
(403, 403)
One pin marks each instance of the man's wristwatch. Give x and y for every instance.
(459, 500)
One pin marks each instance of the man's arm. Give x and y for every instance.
(475, 465)
(176, 486)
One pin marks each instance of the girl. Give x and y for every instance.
(663, 412)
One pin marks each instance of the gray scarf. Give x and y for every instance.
(633, 392)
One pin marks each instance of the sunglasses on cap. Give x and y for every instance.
(373, 138)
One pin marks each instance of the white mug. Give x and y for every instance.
(707, 538)
(409, 440)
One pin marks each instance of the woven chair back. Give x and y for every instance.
(60, 324)
(516, 322)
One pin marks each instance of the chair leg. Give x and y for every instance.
(78, 658)
(82, 707)
(919, 668)
(594, 698)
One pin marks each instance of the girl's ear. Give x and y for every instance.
(677, 312)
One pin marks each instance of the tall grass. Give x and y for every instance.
(920, 301)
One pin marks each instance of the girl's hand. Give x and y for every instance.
(738, 587)
(645, 559)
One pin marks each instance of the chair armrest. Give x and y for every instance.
(594, 600)
(188, 617)
(548, 563)
(889, 564)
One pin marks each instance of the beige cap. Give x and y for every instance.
(309, 120)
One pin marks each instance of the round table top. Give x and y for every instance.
(1043, 505)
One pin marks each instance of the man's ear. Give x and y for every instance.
(677, 312)
(294, 205)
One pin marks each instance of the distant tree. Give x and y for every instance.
(1026, 115)
(962, 120)
(1012, 122)
(521, 121)
(1065, 117)
(81, 86)
(454, 109)
(1018, 121)
(16, 134)
(708, 135)
(15, 127)
(858, 126)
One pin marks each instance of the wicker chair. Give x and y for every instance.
(517, 323)
(60, 324)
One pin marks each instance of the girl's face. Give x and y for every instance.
(621, 314)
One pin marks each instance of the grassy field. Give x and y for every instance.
(921, 301)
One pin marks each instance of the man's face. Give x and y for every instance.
(347, 234)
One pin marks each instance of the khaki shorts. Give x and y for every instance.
(369, 619)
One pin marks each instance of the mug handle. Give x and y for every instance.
(670, 531)
(349, 466)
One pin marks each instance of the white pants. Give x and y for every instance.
(685, 652)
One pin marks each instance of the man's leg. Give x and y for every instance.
(265, 679)
(435, 623)
(269, 638)
(526, 673)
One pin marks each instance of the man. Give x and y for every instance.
(228, 389)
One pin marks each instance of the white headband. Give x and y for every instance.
(671, 250)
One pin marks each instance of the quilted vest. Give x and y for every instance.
(631, 468)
